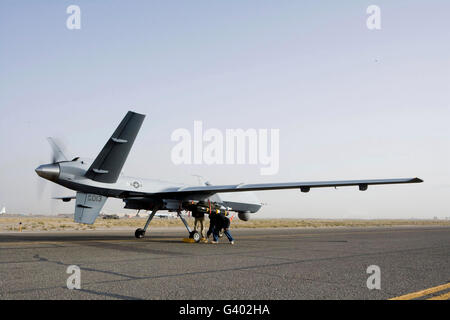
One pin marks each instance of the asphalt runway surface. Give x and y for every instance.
(263, 264)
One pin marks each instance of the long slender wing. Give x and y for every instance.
(108, 164)
(303, 186)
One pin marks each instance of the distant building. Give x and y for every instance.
(3, 211)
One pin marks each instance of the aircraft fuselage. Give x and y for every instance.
(71, 174)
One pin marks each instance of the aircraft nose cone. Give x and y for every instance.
(48, 171)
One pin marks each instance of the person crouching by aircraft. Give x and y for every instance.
(212, 224)
(221, 222)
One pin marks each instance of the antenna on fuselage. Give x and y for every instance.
(201, 180)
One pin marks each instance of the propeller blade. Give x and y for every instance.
(57, 154)
(40, 185)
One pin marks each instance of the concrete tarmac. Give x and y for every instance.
(270, 264)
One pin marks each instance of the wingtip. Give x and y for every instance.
(416, 180)
(136, 113)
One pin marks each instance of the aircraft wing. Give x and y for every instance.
(303, 186)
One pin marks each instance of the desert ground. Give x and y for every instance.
(47, 223)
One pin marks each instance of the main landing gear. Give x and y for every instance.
(140, 233)
(196, 236)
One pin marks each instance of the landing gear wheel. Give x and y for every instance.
(139, 233)
(196, 236)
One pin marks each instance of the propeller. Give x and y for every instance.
(57, 150)
(57, 155)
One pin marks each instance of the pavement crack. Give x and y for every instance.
(109, 295)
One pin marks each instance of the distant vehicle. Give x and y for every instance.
(96, 180)
(164, 215)
(3, 211)
(110, 216)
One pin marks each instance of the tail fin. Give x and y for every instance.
(88, 207)
(108, 164)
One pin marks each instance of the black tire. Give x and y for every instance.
(196, 236)
(139, 233)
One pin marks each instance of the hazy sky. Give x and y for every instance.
(350, 103)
